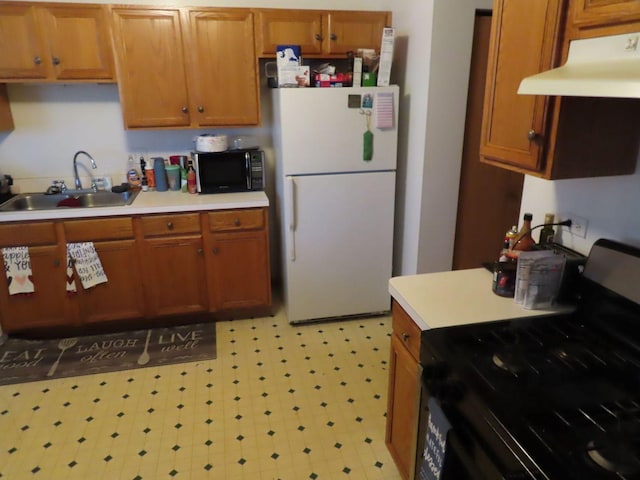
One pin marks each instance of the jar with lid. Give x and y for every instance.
(547, 233)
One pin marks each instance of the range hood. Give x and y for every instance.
(596, 67)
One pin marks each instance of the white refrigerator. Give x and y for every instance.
(335, 189)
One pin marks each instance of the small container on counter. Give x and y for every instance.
(504, 278)
(173, 176)
(160, 174)
(151, 176)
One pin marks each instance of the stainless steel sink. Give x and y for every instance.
(42, 201)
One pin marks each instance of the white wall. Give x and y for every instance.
(610, 205)
(435, 82)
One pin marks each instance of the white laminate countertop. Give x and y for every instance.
(445, 299)
(149, 202)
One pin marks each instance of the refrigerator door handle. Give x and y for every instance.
(291, 215)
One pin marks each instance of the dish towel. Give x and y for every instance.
(84, 258)
(435, 445)
(17, 266)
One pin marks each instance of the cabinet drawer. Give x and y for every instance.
(27, 234)
(170, 224)
(229, 220)
(98, 229)
(406, 330)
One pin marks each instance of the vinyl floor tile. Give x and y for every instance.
(280, 402)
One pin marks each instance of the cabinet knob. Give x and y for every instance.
(56, 263)
(334, 36)
(405, 336)
(185, 110)
(37, 60)
(200, 108)
(170, 225)
(236, 222)
(318, 37)
(531, 134)
(215, 250)
(200, 251)
(55, 60)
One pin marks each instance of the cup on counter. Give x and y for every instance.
(173, 176)
(160, 174)
(180, 160)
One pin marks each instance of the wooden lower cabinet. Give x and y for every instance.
(121, 297)
(175, 279)
(238, 259)
(156, 266)
(404, 392)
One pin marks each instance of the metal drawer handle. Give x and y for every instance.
(56, 263)
(185, 110)
(170, 225)
(405, 336)
(531, 134)
(236, 222)
(200, 108)
(318, 37)
(37, 60)
(200, 251)
(215, 250)
(334, 36)
(56, 61)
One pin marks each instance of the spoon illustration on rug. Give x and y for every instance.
(64, 345)
(144, 356)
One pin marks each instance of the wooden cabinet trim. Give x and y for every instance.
(171, 224)
(98, 229)
(236, 220)
(20, 234)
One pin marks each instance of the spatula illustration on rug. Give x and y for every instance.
(64, 345)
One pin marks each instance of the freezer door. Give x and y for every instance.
(319, 133)
(338, 244)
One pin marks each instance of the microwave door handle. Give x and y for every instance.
(290, 193)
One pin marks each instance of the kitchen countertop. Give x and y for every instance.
(435, 300)
(149, 202)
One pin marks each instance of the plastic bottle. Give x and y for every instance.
(524, 240)
(133, 176)
(191, 179)
(151, 176)
(547, 233)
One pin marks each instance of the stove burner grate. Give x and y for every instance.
(618, 456)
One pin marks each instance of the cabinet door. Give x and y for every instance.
(289, 27)
(47, 306)
(120, 298)
(524, 41)
(79, 42)
(151, 73)
(349, 31)
(22, 43)
(175, 273)
(604, 12)
(6, 117)
(223, 66)
(239, 270)
(402, 407)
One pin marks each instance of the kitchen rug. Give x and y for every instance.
(23, 360)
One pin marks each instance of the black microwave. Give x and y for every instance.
(229, 171)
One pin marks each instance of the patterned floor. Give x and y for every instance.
(280, 402)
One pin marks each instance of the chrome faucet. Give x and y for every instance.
(75, 170)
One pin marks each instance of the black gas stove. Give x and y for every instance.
(553, 397)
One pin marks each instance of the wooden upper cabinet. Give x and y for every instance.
(55, 42)
(349, 31)
(547, 136)
(223, 67)
(524, 41)
(6, 117)
(319, 33)
(151, 75)
(289, 27)
(590, 13)
(22, 43)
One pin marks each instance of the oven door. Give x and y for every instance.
(470, 454)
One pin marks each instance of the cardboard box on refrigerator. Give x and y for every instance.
(386, 57)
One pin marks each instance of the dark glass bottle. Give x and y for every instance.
(547, 233)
